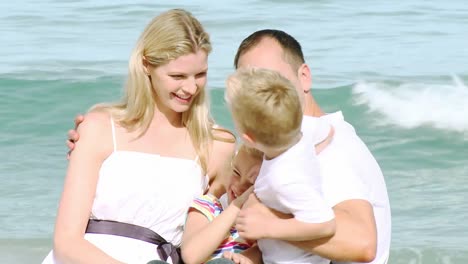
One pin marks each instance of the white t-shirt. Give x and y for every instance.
(349, 171)
(290, 183)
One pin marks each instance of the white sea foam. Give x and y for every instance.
(410, 105)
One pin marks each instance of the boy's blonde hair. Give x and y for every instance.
(265, 106)
(168, 36)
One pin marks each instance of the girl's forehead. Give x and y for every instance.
(245, 163)
(241, 158)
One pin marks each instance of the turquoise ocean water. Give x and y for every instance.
(397, 69)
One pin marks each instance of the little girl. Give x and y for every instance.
(209, 227)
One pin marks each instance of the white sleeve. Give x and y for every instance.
(302, 197)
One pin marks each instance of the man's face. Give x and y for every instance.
(268, 54)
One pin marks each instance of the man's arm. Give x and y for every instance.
(355, 238)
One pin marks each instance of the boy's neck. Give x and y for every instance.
(271, 153)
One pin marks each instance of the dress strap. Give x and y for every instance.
(113, 134)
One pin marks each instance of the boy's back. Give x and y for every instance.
(290, 183)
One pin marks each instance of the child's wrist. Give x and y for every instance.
(236, 204)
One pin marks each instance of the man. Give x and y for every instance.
(353, 184)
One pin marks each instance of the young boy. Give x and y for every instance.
(267, 114)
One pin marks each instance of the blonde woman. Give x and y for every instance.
(139, 163)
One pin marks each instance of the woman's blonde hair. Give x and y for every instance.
(168, 36)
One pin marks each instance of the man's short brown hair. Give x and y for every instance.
(292, 50)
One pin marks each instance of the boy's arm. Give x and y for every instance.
(312, 217)
(254, 227)
(295, 230)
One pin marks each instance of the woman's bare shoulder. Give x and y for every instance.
(222, 150)
(94, 122)
(96, 132)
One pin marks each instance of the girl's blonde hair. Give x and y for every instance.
(251, 152)
(168, 36)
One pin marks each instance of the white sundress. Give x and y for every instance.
(147, 190)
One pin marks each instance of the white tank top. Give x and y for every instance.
(148, 190)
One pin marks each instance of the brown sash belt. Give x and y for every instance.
(165, 249)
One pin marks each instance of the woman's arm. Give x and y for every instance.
(79, 190)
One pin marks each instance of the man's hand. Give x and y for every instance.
(73, 136)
